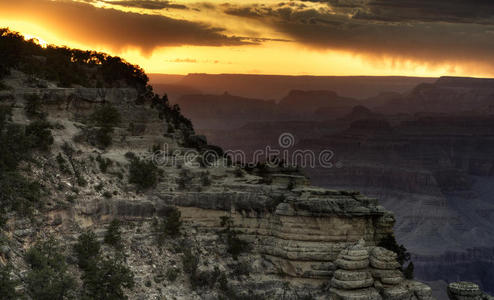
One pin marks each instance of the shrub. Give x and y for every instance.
(104, 137)
(7, 284)
(104, 163)
(106, 279)
(48, 278)
(190, 261)
(63, 165)
(205, 181)
(113, 235)
(107, 194)
(408, 272)
(105, 117)
(18, 193)
(235, 246)
(274, 201)
(143, 173)
(39, 135)
(170, 225)
(87, 249)
(389, 242)
(99, 187)
(103, 278)
(238, 172)
(184, 180)
(33, 106)
(172, 274)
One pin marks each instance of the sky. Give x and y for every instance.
(299, 37)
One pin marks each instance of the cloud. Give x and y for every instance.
(93, 26)
(148, 4)
(183, 60)
(452, 11)
(394, 29)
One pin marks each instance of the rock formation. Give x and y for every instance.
(373, 273)
(112, 184)
(466, 291)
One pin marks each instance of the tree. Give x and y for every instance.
(87, 249)
(113, 235)
(170, 227)
(107, 279)
(408, 272)
(106, 117)
(103, 278)
(143, 173)
(7, 284)
(48, 278)
(389, 242)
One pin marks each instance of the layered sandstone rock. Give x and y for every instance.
(365, 272)
(466, 291)
(299, 239)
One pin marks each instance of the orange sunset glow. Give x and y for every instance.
(261, 37)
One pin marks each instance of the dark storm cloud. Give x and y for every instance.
(454, 11)
(148, 4)
(87, 24)
(386, 28)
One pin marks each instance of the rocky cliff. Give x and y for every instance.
(292, 240)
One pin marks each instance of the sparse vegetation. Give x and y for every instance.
(63, 165)
(172, 274)
(170, 225)
(143, 173)
(103, 278)
(67, 66)
(32, 107)
(113, 235)
(172, 114)
(86, 249)
(389, 242)
(103, 163)
(205, 181)
(17, 144)
(235, 246)
(7, 284)
(185, 179)
(238, 172)
(105, 118)
(39, 135)
(106, 279)
(48, 278)
(408, 272)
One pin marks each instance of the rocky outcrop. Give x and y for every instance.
(373, 273)
(293, 240)
(466, 291)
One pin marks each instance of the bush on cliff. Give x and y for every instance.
(105, 118)
(67, 66)
(170, 226)
(113, 235)
(235, 246)
(49, 277)
(389, 242)
(143, 173)
(103, 278)
(7, 284)
(17, 143)
(39, 135)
